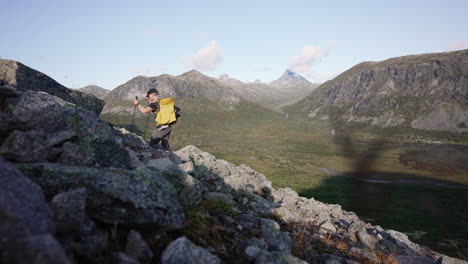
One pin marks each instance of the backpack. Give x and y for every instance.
(168, 112)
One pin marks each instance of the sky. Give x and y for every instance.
(107, 43)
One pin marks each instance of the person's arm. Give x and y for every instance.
(142, 109)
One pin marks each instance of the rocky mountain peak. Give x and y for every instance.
(289, 78)
(290, 75)
(193, 73)
(95, 90)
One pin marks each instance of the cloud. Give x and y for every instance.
(205, 59)
(457, 45)
(310, 54)
(150, 31)
(144, 70)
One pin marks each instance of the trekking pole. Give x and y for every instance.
(146, 125)
(133, 117)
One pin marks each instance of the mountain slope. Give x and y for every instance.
(427, 91)
(95, 90)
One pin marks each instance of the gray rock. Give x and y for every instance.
(222, 197)
(448, 260)
(366, 239)
(187, 167)
(32, 145)
(69, 210)
(251, 252)
(285, 196)
(252, 242)
(328, 227)
(137, 247)
(364, 254)
(224, 175)
(415, 260)
(183, 251)
(40, 249)
(161, 164)
(403, 242)
(181, 156)
(122, 258)
(62, 122)
(40, 111)
(135, 162)
(265, 257)
(189, 190)
(73, 154)
(277, 241)
(133, 197)
(131, 140)
(25, 146)
(23, 206)
(248, 221)
(353, 229)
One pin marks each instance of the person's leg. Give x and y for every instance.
(165, 139)
(155, 138)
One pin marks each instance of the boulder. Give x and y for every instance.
(366, 239)
(115, 196)
(62, 122)
(39, 249)
(70, 210)
(23, 206)
(222, 197)
(33, 145)
(122, 258)
(161, 164)
(137, 248)
(25, 146)
(183, 251)
(131, 140)
(135, 162)
(187, 167)
(402, 241)
(189, 190)
(265, 257)
(276, 240)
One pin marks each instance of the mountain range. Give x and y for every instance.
(425, 91)
(288, 89)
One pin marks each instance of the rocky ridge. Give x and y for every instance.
(19, 77)
(77, 190)
(426, 91)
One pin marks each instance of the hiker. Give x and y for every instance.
(166, 115)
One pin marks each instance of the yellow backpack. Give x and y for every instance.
(166, 114)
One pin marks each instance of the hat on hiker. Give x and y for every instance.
(151, 91)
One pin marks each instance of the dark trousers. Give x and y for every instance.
(162, 136)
